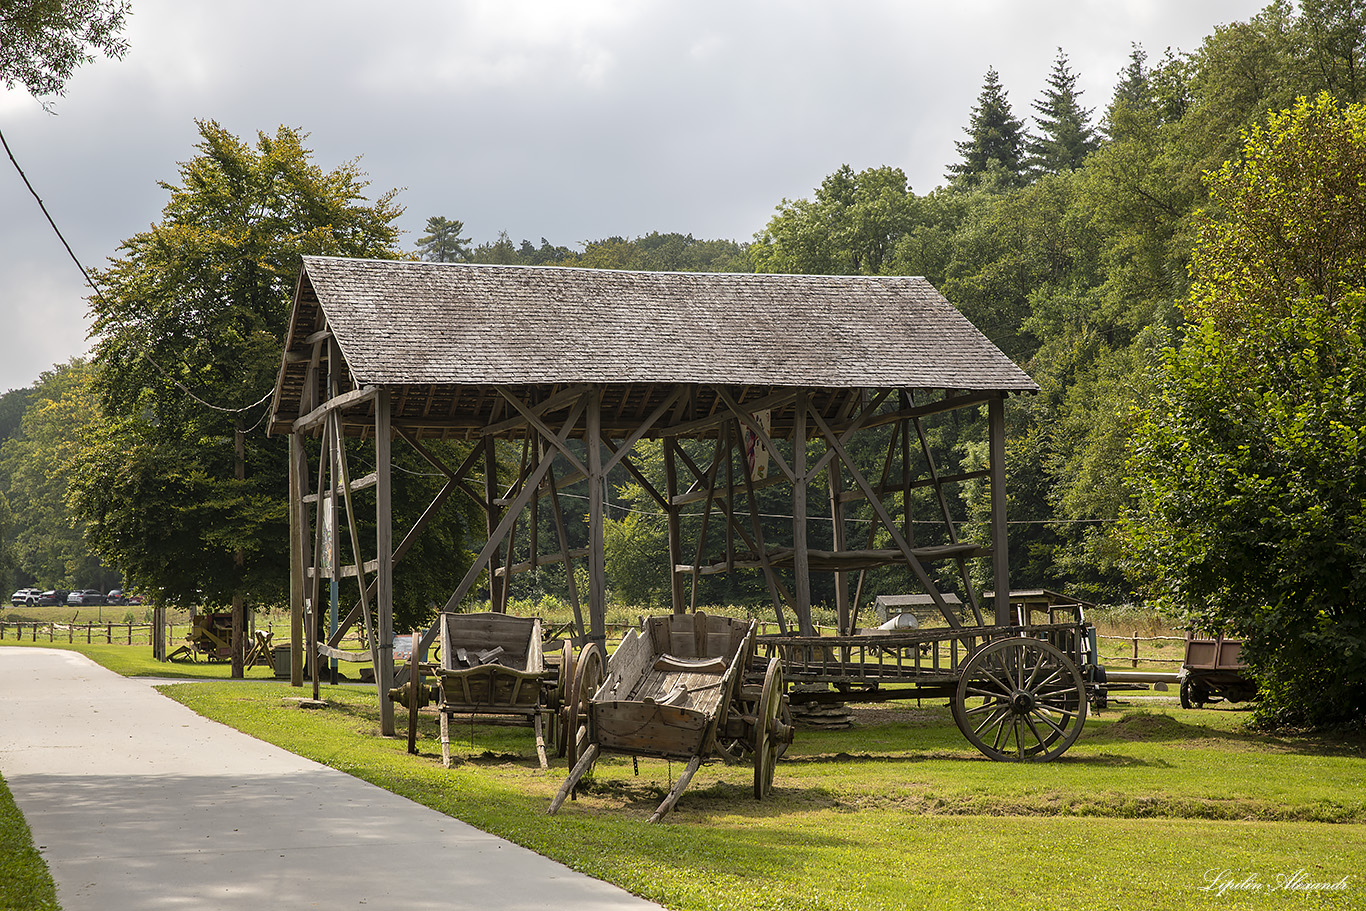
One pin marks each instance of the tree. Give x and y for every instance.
(442, 243)
(1065, 133)
(42, 42)
(994, 135)
(175, 486)
(1248, 469)
(852, 226)
(36, 467)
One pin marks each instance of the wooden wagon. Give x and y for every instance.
(1213, 670)
(678, 690)
(493, 664)
(210, 637)
(1017, 691)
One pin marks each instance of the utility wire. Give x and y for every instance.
(96, 288)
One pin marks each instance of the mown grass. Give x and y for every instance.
(25, 883)
(1156, 805)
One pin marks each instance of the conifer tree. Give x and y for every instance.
(995, 135)
(442, 243)
(1066, 136)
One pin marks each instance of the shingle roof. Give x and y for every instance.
(429, 323)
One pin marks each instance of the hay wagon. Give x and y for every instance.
(1017, 691)
(686, 688)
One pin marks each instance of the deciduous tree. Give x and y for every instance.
(42, 42)
(178, 486)
(1248, 469)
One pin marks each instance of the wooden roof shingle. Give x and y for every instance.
(429, 323)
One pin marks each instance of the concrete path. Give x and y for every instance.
(139, 804)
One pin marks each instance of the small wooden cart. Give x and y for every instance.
(1213, 671)
(678, 690)
(210, 637)
(492, 664)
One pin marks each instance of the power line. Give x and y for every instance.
(96, 288)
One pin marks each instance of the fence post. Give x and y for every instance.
(1135, 649)
(70, 633)
(51, 631)
(130, 632)
(88, 624)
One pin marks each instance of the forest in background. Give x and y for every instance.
(1063, 232)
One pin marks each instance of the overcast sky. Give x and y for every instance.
(568, 119)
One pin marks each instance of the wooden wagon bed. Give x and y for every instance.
(491, 664)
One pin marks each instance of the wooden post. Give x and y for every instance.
(801, 559)
(838, 543)
(674, 513)
(1000, 549)
(597, 569)
(414, 691)
(492, 515)
(384, 556)
(298, 519)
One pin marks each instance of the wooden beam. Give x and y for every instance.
(689, 428)
(345, 400)
(556, 401)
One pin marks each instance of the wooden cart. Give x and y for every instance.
(678, 690)
(1213, 670)
(493, 664)
(210, 637)
(1017, 692)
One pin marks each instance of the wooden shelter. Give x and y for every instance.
(579, 365)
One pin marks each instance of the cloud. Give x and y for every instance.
(572, 121)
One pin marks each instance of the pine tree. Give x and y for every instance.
(996, 135)
(1066, 136)
(442, 243)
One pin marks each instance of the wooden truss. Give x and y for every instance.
(576, 437)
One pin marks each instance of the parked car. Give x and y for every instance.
(88, 596)
(25, 597)
(53, 597)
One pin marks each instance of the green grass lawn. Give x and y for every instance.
(25, 884)
(1153, 807)
(1159, 806)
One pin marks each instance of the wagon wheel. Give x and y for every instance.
(1020, 699)
(588, 674)
(1194, 694)
(770, 734)
(564, 685)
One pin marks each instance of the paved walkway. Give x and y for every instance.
(139, 804)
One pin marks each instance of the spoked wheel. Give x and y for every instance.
(564, 688)
(771, 736)
(1020, 700)
(588, 674)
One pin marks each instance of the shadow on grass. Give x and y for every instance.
(1145, 725)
